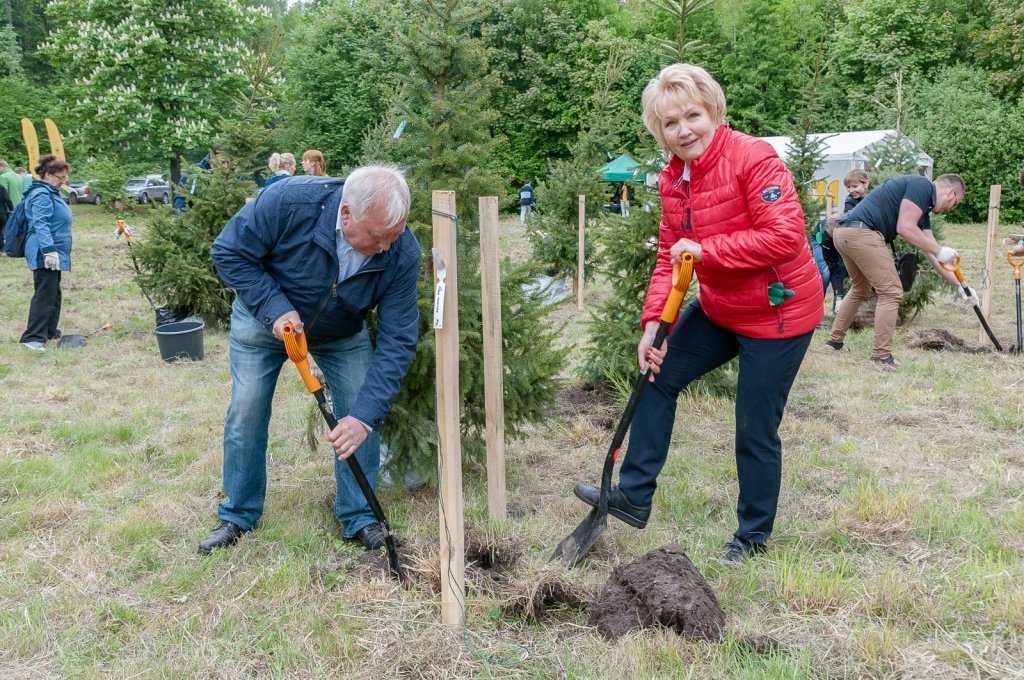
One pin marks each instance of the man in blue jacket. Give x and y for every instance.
(319, 253)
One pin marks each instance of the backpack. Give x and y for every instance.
(906, 267)
(16, 230)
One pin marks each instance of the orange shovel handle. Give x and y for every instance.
(682, 275)
(1016, 261)
(295, 345)
(955, 268)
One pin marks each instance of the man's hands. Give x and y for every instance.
(946, 255)
(51, 261)
(971, 299)
(647, 356)
(288, 317)
(347, 436)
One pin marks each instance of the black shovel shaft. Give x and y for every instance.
(353, 464)
(1020, 339)
(625, 421)
(981, 318)
(371, 498)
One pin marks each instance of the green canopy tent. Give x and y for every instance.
(621, 169)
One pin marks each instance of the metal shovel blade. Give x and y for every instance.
(577, 544)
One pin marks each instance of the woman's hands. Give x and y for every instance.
(684, 245)
(647, 356)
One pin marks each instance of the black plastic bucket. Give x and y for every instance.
(180, 340)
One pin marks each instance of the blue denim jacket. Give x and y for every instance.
(278, 253)
(49, 226)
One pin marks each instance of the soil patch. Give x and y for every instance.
(598, 405)
(941, 340)
(661, 588)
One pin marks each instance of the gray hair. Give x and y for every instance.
(4, 165)
(372, 185)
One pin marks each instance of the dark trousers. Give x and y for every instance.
(766, 373)
(44, 310)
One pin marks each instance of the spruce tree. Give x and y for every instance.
(446, 144)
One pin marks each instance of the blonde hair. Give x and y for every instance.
(317, 159)
(281, 161)
(681, 83)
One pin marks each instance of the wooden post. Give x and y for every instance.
(828, 204)
(579, 253)
(494, 384)
(994, 194)
(449, 450)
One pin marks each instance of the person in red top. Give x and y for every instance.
(728, 200)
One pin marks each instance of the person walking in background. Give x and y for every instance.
(13, 182)
(900, 206)
(858, 184)
(282, 165)
(729, 201)
(313, 163)
(187, 181)
(47, 250)
(318, 254)
(625, 194)
(26, 178)
(5, 207)
(525, 201)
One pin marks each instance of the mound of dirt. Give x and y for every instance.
(941, 340)
(661, 588)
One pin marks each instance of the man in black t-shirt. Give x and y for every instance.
(900, 206)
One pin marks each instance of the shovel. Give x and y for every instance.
(295, 345)
(955, 268)
(574, 546)
(1016, 261)
(77, 340)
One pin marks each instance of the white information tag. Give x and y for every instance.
(439, 290)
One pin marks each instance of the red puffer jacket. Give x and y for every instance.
(741, 206)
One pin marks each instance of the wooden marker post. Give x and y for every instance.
(579, 252)
(494, 383)
(995, 193)
(449, 450)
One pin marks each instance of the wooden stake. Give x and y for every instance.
(579, 253)
(994, 194)
(494, 384)
(449, 451)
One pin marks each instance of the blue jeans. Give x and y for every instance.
(766, 373)
(819, 259)
(256, 357)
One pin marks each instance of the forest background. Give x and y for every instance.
(146, 86)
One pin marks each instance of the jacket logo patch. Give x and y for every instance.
(771, 194)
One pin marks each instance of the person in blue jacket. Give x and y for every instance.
(47, 250)
(187, 181)
(318, 253)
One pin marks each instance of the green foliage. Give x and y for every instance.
(174, 251)
(804, 155)
(444, 93)
(970, 131)
(554, 230)
(22, 99)
(1001, 47)
(151, 76)
(339, 74)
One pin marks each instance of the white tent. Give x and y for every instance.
(846, 151)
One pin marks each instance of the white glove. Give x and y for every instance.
(946, 255)
(971, 299)
(839, 302)
(51, 261)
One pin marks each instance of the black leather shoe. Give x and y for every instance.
(737, 552)
(618, 506)
(224, 535)
(371, 536)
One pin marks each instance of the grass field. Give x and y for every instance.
(898, 552)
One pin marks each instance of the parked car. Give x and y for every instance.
(80, 192)
(149, 188)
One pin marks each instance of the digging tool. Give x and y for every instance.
(574, 546)
(295, 345)
(1016, 261)
(955, 268)
(124, 230)
(78, 340)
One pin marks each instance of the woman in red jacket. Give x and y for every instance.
(728, 200)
